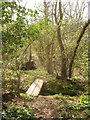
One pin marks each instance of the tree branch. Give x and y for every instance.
(75, 50)
(60, 11)
(55, 13)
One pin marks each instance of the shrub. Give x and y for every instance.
(87, 111)
(84, 102)
(26, 97)
(18, 113)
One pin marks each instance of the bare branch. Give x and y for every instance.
(55, 15)
(60, 11)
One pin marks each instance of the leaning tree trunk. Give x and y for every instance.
(74, 53)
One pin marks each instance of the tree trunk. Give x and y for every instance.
(30, 57)
(18, 86)
(62, 50)
(75, 50)
(63, 56)
(45, 10)
(48, 63)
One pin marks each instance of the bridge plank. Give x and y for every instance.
(35, 88)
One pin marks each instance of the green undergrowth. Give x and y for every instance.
(71, 93)
(66, 88)
(51, 85)
(62, 97)
(18, 113)
(29, 76)
(26, 97)
(74, 107)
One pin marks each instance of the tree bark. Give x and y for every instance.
(45, 10)
(75, 50)
(18, 86)
(30, 57)
(63, 56)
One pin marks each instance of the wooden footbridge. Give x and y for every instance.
(35, 88)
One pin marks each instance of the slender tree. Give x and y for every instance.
(77, 45)
(60, 41)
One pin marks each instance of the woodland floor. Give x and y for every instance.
(43, 106)
(49, 107)
(46, 107)
(52, 105)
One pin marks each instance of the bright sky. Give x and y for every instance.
(33, 3)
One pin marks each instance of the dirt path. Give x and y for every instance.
(43, 106)
(46, 107)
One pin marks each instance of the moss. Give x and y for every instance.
(53, 87)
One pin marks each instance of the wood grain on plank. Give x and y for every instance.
(35, 88)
